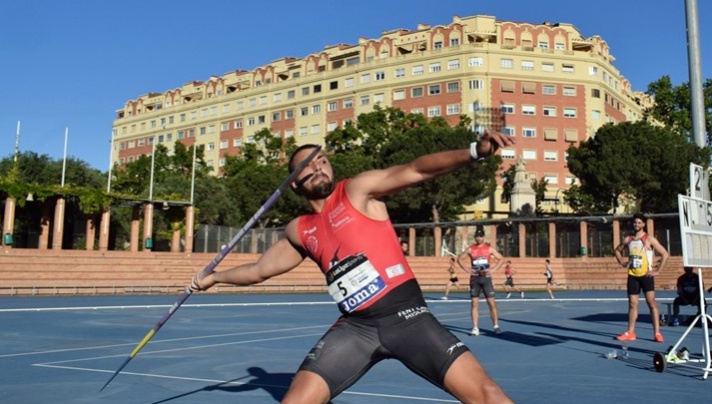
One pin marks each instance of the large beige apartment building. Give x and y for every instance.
(543, 83)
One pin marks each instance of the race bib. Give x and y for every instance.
(480, 264)
(353, 282)
(635, 262)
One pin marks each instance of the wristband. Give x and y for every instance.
(473, 151)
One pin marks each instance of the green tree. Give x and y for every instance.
(673, 105)
(634, 159)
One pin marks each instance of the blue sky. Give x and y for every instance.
(73, 63)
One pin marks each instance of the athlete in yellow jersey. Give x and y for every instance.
(641, 273)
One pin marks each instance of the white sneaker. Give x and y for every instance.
(509, 295)
(521, 295)
(444, 297)
(497, 330)
(475, 332)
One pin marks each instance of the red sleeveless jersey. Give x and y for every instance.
(480, 256)
(360, 257)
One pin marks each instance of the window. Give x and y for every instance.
(433, 111)
(453, 64)
(348, 103)
(551, 178)
(476, 84)
(378, 98)
(569, 112)
(434, 89)
(453, 87)
(400, 72)
(596, 114)
(528, 110)
(331, 126)
(527, 65)
(567, 68)
(303, 111)
(332, 106)
(453, 109)
(226, 108)
(508, 154)
(223, 144)
(543, 44)
(365, 100)
(551, 155)
(289, 114)
(507, 109)
(315, 129)
(398, 95)
(593, 70)
(509, 130)
(349, 82)
(506, 63)
(506, 86)
(548, 89)
(477, 61)
(379, 76)
(434, 67)
(417, 70)
(528, 87)
(529, 154)
(290, 94)
(303, 131)
(551, 134)
(454, 41)
(316, 109)
(224, 126)
(261, 119)
(305, 91)
(416, 92)
(438, 45)
(365, 78)
(595, 93)
(277, 97)
(475, 107)
(569, 91)
(211, 146)
(560, 46)
(276, 116)
(288, 133)
(547, 67)
(549, 111)
(528, 132)
(334, 85)
(571, 135)
(316, 88)
(263, 100)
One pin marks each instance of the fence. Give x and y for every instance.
(456, 236)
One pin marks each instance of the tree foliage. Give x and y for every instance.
(647, 163)
(673, 105)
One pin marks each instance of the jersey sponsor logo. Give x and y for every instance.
(413, 312)
(395, 270)
(312, 244)
(339, 217)
(309, 231)
(363, 295)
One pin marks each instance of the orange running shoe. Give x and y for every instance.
(627, 336)
(658, 337)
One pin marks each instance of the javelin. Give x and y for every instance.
(214, 263)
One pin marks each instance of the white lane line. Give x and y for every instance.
(187, 348)
(131, 344)
(226, 382)
(160, 306)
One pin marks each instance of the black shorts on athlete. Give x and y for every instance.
(353, 345)
(637, 283)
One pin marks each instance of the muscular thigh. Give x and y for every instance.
(431, 353)
(344, 354)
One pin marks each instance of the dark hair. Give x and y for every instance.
(688, 268)
(640, 216)
(479, 232)
(300, 148)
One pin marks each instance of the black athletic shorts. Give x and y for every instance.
(509, 282)
(479, 284)
(638, 283)
(413, 336)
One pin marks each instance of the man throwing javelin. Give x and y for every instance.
(384, 315)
